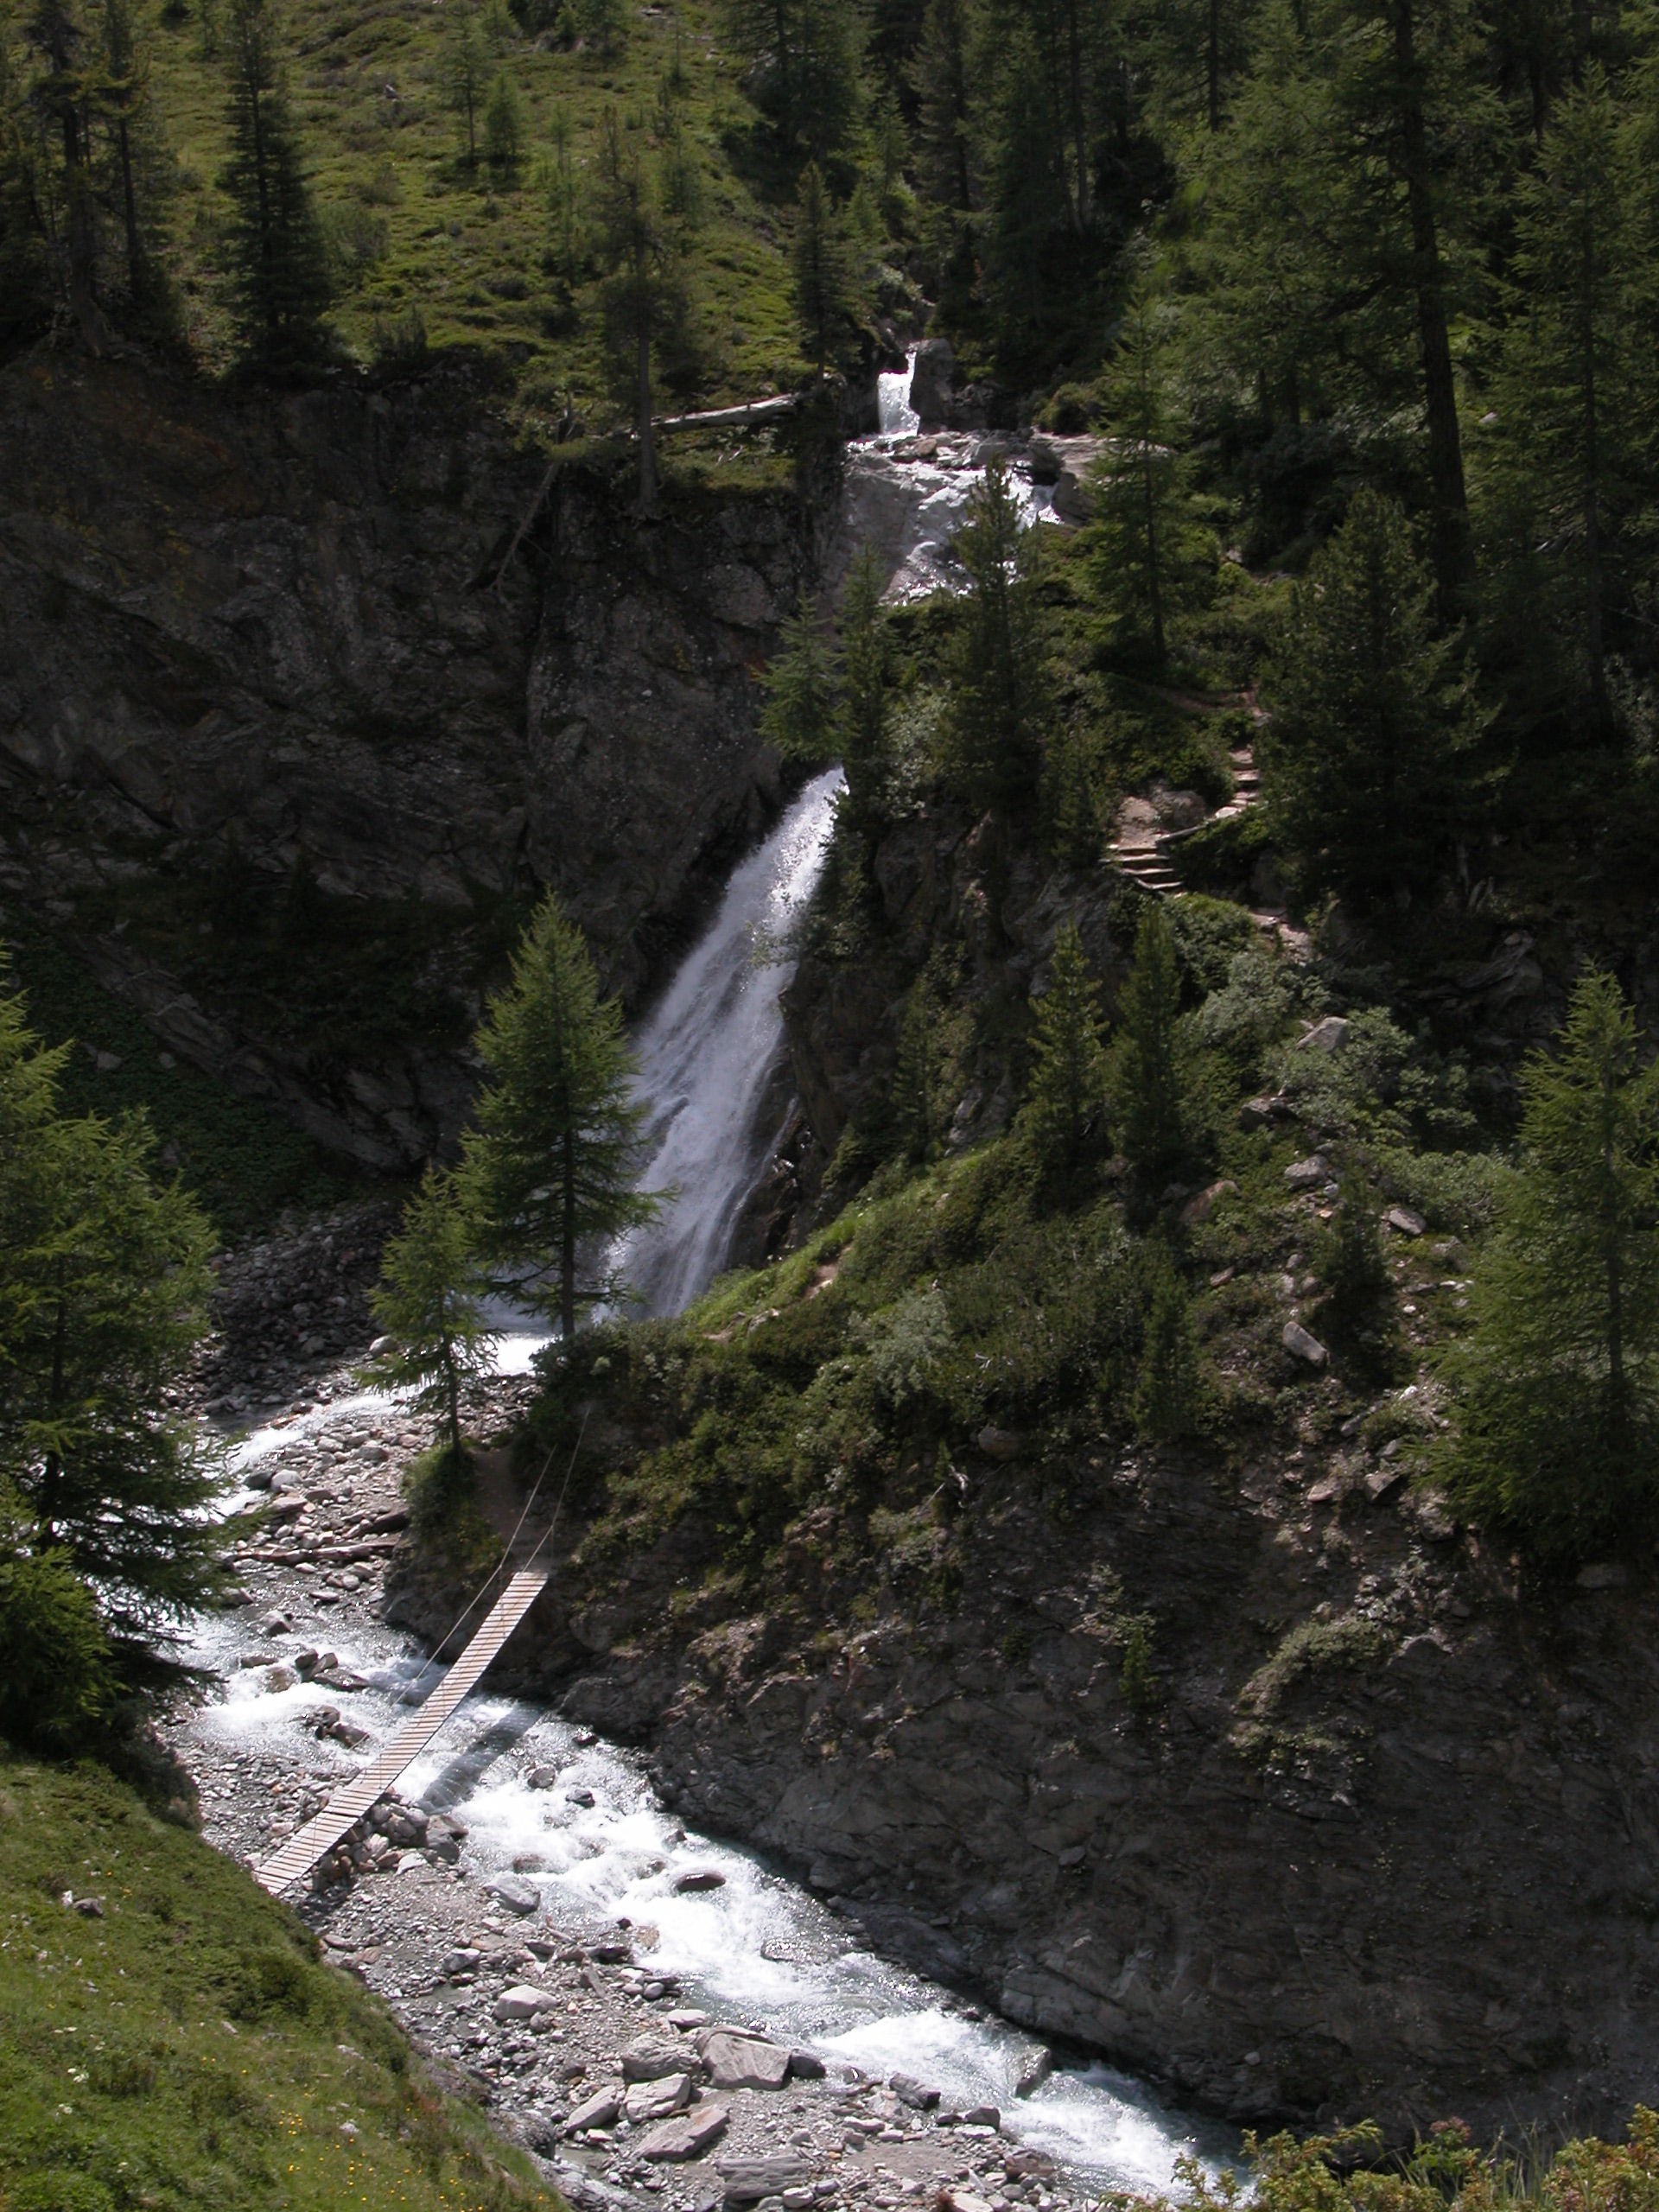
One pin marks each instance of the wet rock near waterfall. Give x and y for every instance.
(733, 2061)
(520, 1896)
(748, 2181)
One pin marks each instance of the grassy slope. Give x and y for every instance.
(465, 248)
(189, 2047)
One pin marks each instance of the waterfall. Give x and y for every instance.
(894, 414)
(708, 1056)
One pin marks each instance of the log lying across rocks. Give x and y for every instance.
(751, 414)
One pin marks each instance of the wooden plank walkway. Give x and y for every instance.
(347, 1806)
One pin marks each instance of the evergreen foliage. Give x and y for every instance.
(102, 1301)
(466, 68)
(644, 296)
(1149, 1073)
(549, 1169)
(825, 299)
(1167, 1391)
(1068, 1082)
(429, 1304)
(997, 702)
(1558, 1428)
(865, 708)
(799, 682)
(1366, 759)
(279, 275)
(56, 1682)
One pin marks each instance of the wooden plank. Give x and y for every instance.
(347, 1806)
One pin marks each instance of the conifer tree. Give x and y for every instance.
(550, 1167)
(1365, 756)
(429, 1304)
(1168, 1391)
(824, 301)
(604, 25)
(996, 671)
(102, 1301)
(1068, 1081)
(863, 715)
(1148, 1078)
(1558, 1379)
(1151, 562)
(643, 293)
(1568, 406)
(799, 713)
(63, 92)
(279, 277)
(123, 102)
(466, 69)
(943, 67)
(25, 263)
(503, 123)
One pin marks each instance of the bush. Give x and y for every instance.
(56, 1685)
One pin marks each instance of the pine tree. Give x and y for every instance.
(279, 278)
(1569, 405)
(824, 297)
(996, 701)
(1557, 1378)
(1373, 714)
(550, 1167)
(863, 712)
(56, 1682)
(1028, 198)
(466, 69)
(644, 294)
(1149, 1075)
(429, 1303)
(1168, 1390)
(504, 124)
(941, 75)
(604, 25)
(1068, 1081)
(799, 713)
(63, 94)
(1151, 562)
(102, 1301)
(1072, 805)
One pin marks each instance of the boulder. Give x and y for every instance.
(806, 2066)
(700, 1878)
(1603, 1574)
(1325, 1036)
(1298, 1341)
(748, 2180)
(1402, 1218)
(647, 2101)
(740, 2061)
(686, 2137)
(598, 2111)
(1000, 1443)
(521, 2003)
(917, 2094)
(1304, 1174)
(932, 381)
(652, 2058)
(519, 1896)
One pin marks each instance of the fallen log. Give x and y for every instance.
(752, 412)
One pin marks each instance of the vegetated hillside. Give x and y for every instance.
(497, 254)
(173, 2036)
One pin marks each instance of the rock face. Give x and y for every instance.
(1379, 1842)
(243, 638)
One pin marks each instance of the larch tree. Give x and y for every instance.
(429, 1305)
(1367, 754)
(279, 267)
(549, 1169)
(1067, 1094)
(1557, 1381)
(1149, 1075)
(996, 708)
(825, 296)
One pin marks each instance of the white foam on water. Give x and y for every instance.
(708, 1053)
(896, 416)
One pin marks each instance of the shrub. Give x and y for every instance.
(55, 1680)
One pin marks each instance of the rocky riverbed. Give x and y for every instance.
(635, 2076)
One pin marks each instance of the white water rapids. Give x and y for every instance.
(761, 1947)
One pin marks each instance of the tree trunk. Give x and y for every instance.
(52, 1474)
(1453, 565)
(452, 1385)
(567, 1240)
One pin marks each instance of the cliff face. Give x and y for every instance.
(1374, 1836)
(260, 636)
